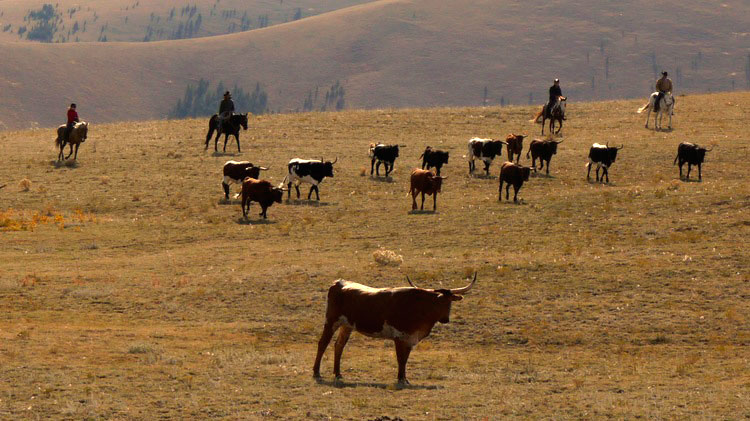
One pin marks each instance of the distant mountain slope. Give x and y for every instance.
(149, 20)
(395, 53)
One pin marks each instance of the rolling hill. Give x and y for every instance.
(395, 53)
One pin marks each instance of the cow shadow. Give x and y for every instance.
(219, 153)
(381, 179)
(341, 384)
(247, 221)
(422, 212)
(690, 180)
(592, 181)
(224, 201)
(483, 176)
(521, 202)
(303, 202)
(68, 163)
(663, 130)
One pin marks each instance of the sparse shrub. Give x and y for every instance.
(385, 257)
(25, 185)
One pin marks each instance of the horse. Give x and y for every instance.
(231, 127)
(77, 135)
(557, 113)
(665, 104)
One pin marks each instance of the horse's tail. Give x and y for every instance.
(58, 140)
(537, 117)
(212, 123)
(644, 108)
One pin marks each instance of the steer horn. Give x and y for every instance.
(621, 146)
(559, 141)
(712, 148)
(460, 291)
(335, 160)
(263, 168)
(410, 282)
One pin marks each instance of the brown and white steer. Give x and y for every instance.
(235, 172)
(406, 315)
(261, 191)
(425, 182)
(484, 149)
(515, 146)
(515, 175)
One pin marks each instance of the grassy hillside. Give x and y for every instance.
(149, 20)
(131, 290)
(395, 53)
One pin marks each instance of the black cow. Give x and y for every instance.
(693, 155)
(235, 172)
(603, 156)
(542, 149)
(484, 149)
(307, 171)
(383, 154)
(434, 158)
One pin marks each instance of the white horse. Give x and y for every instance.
(666, 104)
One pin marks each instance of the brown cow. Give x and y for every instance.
(406, 315)
(427, 183)
(515, 146)
(512, 174)
(261, 191)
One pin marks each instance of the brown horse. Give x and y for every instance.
(77, 135)
(231, 127)
(556, 114)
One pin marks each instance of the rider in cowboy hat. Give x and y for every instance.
(663, 85)
(555, 92)
(72, 120)
(226, 108)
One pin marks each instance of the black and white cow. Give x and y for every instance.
(484, 149)
(382, 154)
(311, 171)
(693, 155)
(434, 158)
(236, 171)
(603, 156)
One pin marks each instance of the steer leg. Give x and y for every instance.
(341, 341)
(413, 199)
(517, 187)
(377, 169)
(325, 339)
(588, 173)
(688, 173)
(699, 173)
(263, 211)
(548, 167)
(296, 186)
(500, 190)
(605, 173)
(226, 190)
(315, 188)
(402, 356)
(679, 164)
(422, 207)
(507, 191)
(487, 167)
(434, 201)
(598, 167)
(372, 166)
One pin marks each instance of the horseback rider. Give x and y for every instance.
(663, 86)
(555, 92)
(72, 120)
(226, 109)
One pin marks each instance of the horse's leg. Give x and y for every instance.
(544, 120)
(670, 119)
(216, 141)
(648, 116)
(237, 136)
(226, 138)
(75, 157)
(559, 128)
(71, 150)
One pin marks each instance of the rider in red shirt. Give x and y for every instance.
(72, 120)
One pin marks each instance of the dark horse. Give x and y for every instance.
(231, 127)
(77, 135)
(557, 113)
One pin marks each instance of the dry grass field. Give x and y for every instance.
(130, 290)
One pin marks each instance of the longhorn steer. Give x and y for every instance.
(235, 172)
(406, 315)
(383, 154)
(603, 156)
(425, 182)
(484, 149)
(515, 146)
(512, 174)
(542, 149)
(434, 158)
(308, 171)
(693, 155)
(261, 191)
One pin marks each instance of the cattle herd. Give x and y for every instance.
(407, 315)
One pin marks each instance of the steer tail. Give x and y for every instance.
(536, 117)
(644, 108)
(528, 152)
(675, 159)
